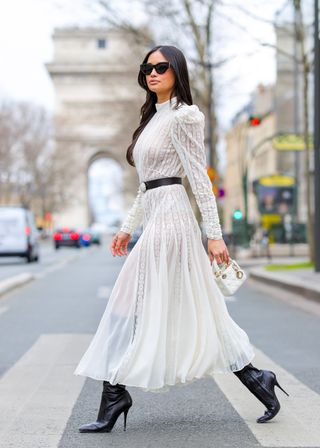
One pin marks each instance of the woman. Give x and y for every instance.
(166, 322)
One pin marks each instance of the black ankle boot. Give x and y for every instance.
(115, 399)
(261, 384)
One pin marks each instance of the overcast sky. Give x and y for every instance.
(25, 45)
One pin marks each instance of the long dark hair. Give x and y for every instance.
(181, 90)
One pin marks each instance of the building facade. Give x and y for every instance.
(246, 154)
(252, 147)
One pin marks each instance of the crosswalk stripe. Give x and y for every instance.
(39, 392)
(298, 422)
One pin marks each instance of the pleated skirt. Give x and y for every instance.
(166, 322)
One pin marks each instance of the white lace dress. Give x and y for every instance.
(166, 322)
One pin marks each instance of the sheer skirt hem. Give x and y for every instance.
(166, 387)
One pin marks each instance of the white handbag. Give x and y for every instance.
(229, 277)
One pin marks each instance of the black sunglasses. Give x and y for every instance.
(161, 67)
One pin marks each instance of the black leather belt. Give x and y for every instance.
(144, 186)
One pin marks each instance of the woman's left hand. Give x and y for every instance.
(217, 249)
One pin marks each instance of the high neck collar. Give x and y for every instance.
(166, 104)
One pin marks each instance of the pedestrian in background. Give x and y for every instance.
(166, 321)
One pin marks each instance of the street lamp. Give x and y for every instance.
(317, 135)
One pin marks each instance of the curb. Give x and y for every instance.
(21, 279)
(292, 284)
(14, 282)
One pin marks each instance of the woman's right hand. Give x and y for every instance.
(119, 243)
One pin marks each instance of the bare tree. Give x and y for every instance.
(188, 25)
(33, 169)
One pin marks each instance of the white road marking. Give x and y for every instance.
(59, 265)
(104, 292)
(10, 283)
(298, 422)
(39, 392)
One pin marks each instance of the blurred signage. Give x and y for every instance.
(290, 142)
(268, 220)
(276, 180)
(275, 195)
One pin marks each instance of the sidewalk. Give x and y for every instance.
(302, 281)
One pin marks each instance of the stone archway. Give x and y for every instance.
(105, 189)
(98, 103)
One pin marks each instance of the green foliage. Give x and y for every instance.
(283, 267)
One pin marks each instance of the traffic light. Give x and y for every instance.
(237, 215)
(254, 120)
(239, 228)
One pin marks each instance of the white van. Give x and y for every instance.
(18, 233)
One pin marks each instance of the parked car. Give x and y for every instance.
(85, 238)
(90, 236)
(95, 236)
(66, 237)
(18, 233)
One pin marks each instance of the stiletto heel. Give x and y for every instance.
(261, 383)
(115, 400)
(277, 384)
(125, 412)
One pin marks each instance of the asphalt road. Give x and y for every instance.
(48, 257)
(46, 325)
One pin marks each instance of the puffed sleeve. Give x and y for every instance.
(187, 134)
(134, 215)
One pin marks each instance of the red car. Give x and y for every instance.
(66, 237)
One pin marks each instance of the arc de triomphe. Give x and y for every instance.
(94, 72)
